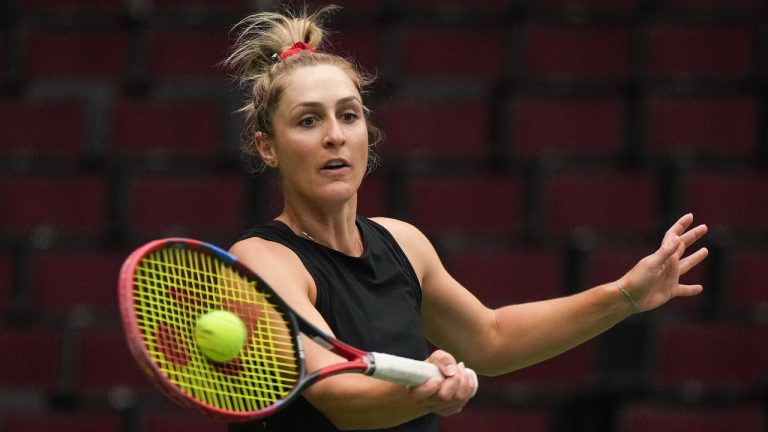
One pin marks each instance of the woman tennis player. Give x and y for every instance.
(378, 283)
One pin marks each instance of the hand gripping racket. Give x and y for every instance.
(167, 285)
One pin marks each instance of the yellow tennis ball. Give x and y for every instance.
(220, 335)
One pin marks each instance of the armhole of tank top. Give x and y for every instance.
(401, 253)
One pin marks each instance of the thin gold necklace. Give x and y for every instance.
(309, 237)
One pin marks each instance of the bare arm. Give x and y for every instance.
(350, 401)
(496, 341)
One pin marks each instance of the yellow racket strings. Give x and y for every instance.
(173, 287)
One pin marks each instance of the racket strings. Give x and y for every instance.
(173, 287)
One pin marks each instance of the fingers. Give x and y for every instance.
(449, 395)
(693, 260)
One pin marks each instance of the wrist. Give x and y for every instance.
(628, 296)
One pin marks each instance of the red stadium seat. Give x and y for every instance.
(502, 419)
(464, 204)
(575, 54)
(647, 417)
(175, 421)
(434, 128)
(72, 6)
(709, 126)
(677, 52)
(63, 280)
(591, 201)
(201, 8)
(194, 205)
(48, 131)
(105, 362)
(702, 359)
(361, 45)
(188, 53)
(69, 204)
(567, 374)
(72, 53)
(510, 276)
(555, 127)
(64, 422)
(728, 201)
(30, 358)
(431, 53)
(714, 7)
(745, 293)
(167, 131)
(620, 8)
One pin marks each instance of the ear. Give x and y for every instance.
(265, 148)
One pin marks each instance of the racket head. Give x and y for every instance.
(165, 286)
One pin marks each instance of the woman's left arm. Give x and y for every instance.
(497, 341)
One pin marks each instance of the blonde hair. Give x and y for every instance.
(255, 58)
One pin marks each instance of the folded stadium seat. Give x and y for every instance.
(201, 10)
(589, 8)
(363, 45)
(168, 133)
(499, 419)
(745, 295)
(508, 276)
(177, 420)
(188, 52)
(456, 10)
(713, 8)
(104, 362)
(694, 361)
(208, 207)
(709, 53)
(606, 203)
(702, 126)
(466, 205)
(31, 357)
(62, 280)
(434, 128)
(461, 54)
(589, 127)
(728, 202)
(354, 14)
(61, 422)
(76, 52)
(570, 54)
(41, 133)
(53, 204)
(650, 417)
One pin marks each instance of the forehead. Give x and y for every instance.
(318, 83)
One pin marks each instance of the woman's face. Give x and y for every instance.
(320, 140)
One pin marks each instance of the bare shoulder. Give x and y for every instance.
(401, 230)
(279, 266)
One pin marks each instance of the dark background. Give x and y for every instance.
(544, 146)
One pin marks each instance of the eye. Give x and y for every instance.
(349, 117)
(307, 121)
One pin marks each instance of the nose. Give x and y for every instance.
(334, 134)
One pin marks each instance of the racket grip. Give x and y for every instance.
(406, 371)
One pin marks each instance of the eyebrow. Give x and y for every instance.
(342, 101)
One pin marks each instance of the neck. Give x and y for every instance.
(343, 236)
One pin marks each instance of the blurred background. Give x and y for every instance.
(544, 146)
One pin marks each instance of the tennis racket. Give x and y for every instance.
(167, 285)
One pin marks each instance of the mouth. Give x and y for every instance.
(335, 164)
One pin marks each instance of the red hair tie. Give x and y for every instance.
(297, 47)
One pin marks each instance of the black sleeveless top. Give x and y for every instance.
(372, 302)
